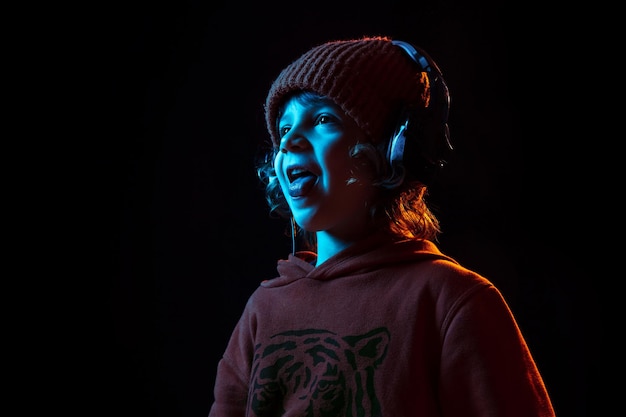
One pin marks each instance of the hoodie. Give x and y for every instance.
(383, 328)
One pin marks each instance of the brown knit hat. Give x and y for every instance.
(371, 79)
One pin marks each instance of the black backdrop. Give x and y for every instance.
(178, 231)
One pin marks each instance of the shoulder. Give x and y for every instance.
(442, 283)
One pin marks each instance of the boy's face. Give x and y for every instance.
(326, 189)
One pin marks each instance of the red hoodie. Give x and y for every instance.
(390, 329)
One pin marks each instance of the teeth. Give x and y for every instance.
(295, 173)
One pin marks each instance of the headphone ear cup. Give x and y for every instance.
(395, 154)
(425, 138)
(416, 148)
(395, 149)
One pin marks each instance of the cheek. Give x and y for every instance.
(279, 172)
(345, 169)
(278, 157)
(337, 160)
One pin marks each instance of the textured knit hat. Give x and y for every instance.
(370, 78)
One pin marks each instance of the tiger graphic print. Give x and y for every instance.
(319, 373)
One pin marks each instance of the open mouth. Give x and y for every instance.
(296, 173)
(301, 181)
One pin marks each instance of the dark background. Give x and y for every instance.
(176, 234)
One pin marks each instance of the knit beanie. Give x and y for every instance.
(370, 78)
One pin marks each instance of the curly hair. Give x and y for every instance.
(401, 208)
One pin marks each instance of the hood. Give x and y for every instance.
(373, 253)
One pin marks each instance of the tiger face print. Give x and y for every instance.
(318, 373)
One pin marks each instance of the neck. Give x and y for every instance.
(329, 244)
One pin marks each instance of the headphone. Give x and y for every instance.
(428, 147)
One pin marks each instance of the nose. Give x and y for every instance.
(293, 141)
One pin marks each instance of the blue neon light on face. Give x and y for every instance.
(324, 186)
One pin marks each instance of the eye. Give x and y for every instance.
(282, 131)
(326, 118)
